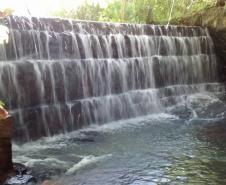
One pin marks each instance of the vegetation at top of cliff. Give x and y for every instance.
(87, 11)
(6, 12)
(136, 11)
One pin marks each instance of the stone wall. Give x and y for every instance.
(60, 75)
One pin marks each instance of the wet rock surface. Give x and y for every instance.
(19, 175)
(219, 38)
(182, 111)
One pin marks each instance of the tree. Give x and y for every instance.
(118, 11)
(220, 2)
(143, 11)
(87, 11)
(137, 11)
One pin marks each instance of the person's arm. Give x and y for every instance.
(3, 113)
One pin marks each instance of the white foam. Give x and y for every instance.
(134, 122)
(53, 162)
(21, 159)
(18, 179)
(85, 162)
(59, 141)
(40, 144)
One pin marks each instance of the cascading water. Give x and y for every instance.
(60, 75)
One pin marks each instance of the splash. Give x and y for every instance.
(85, 162)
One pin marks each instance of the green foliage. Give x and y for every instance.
(143, 11)
(2, 104)
(184, 8)
(136, 11)
(118, 11)
(87, 11)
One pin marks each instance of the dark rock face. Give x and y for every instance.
(219, 38)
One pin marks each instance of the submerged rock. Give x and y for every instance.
(18, 180)
(19, 175)
(182, 111)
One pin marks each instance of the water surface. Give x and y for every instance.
(185, 144)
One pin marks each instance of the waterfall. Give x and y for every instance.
(60, 75)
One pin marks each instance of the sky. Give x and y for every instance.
(42, 7)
